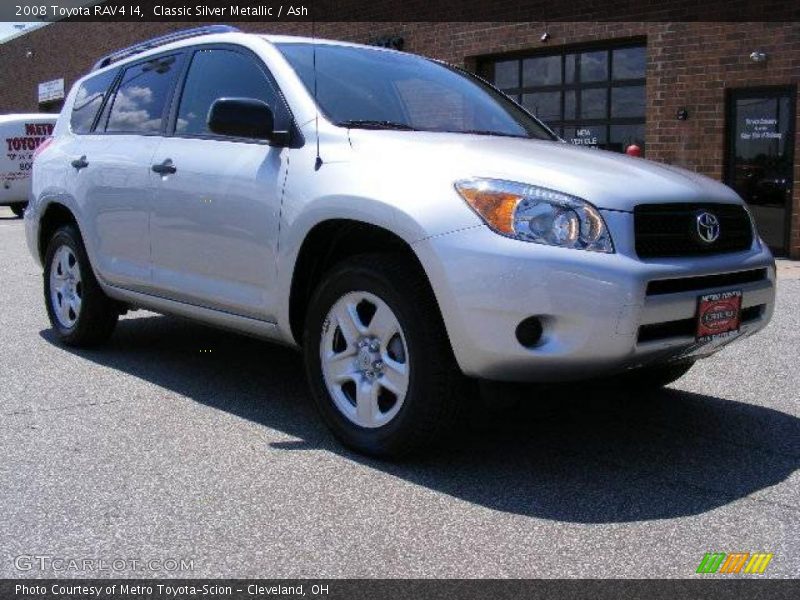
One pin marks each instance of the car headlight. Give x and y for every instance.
(536, 214)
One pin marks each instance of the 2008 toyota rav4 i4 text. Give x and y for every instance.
(404, 222)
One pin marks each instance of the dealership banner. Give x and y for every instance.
(394, 589)
(394, 10)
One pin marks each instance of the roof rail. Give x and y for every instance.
(118, 55)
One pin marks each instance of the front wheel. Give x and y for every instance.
(378, 359)
(18, 209)
(81, 314)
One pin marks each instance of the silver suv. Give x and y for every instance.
(406, 224)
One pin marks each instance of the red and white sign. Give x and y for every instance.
(20, 136)
(718, 315)
(19, 148)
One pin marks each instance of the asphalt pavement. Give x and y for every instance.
(177, 442)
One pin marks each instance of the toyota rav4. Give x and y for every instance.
(399, 219)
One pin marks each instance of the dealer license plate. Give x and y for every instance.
(718, 315)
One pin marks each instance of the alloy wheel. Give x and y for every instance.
(364, 359)
(66, 290)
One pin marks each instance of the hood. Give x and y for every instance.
(608, 180)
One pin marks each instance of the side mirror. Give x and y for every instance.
(244, 118)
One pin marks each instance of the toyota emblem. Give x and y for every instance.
(707, 227)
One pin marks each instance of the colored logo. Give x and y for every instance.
(707, 227)
(735, 562)
(718, 315)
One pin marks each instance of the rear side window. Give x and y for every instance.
(218, 73)
(89, 99)
(142, 95)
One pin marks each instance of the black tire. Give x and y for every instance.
(654, 377)
(98, 313)
(436, 386)
(18, 209)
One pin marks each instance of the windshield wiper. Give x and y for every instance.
(374, 124)
(488, 132)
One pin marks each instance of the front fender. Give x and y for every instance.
(294, 232)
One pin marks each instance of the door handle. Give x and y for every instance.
(164, 168)
(80, 163)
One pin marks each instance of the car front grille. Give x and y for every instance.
(670, 230)
(693, 284)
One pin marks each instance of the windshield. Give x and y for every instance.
(361, 87)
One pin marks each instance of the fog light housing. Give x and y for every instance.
(529, 331)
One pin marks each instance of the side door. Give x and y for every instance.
(116, 183)
(214, 223)
(69, 162)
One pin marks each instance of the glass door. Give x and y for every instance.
(760, 158)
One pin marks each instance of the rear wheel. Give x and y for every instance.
(378, 359)
(81, 314)
(18, 209)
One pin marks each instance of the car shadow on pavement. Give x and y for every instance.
(574, 454)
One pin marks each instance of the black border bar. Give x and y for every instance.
(705, 587)
(231, 11)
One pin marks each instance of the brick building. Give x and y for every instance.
(718, 98)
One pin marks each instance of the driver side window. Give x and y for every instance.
(219, 73)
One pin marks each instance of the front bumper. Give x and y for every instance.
(593, 306)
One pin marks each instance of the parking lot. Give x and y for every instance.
(177, 441)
